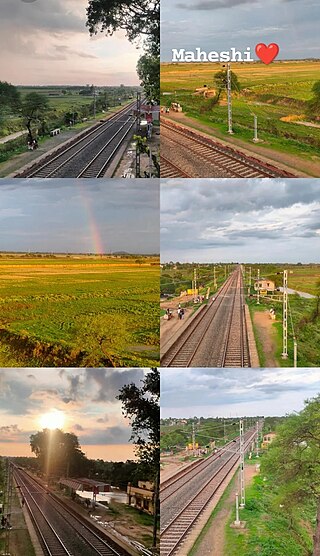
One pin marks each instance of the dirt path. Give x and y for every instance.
(266, 334)
(298, 165)
(168, 328)
(212, 543)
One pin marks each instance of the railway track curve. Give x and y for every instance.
(202, 156)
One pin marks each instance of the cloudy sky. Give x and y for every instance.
(221, 24)
(240, 220)
(46, 42)
(236, 393)
(79, 215)
(85, 396)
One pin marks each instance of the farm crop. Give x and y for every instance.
(277, 94)
(82, 311)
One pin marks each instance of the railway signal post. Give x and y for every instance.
(242, 484)
(285, 316)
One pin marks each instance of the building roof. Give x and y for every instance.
(71, 483)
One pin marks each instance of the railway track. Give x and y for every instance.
(202, 156)
(87, 156)
(170, 487)
(217, 335)
(201, 491)
(170, 170)
(61, 530)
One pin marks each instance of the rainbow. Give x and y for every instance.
(98, 247)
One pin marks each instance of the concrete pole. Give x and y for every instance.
(237, 521)
(295, 353)
(255, 124)
(230, 130)
(258, 290)
(257, 440)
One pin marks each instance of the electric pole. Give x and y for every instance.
(295, 352)
(250, 277)
(8, 505)
(242, 487)
(193, 437)
(258, 288)
(255, 124)
(195, 283)
(214, 278)
(257, 440)
(94, 102)
(229, 99)
(138, 131)
(285, 316)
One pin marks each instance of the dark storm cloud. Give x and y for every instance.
(213, 4)
(112, 435)
(47, 15)
(110, 381)
(227, 216)
(70, 215)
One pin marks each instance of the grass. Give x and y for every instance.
(86, 311)
(306, 329)
(269, 531)
(271, 92)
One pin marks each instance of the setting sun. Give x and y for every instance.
(54, 419)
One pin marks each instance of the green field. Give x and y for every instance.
(282, 89)
(86, 311)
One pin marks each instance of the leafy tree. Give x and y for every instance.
(9, 96)
(141, 406)
(136, 17)
(148, 72)
(59, 452)
(33, 109)
(293, 460)
(313, 107)
(220, 80)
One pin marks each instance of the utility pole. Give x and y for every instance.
(94, 102)
(225, 272)
(214, 278)
(258, 288)
(193, 437)
(255, 124)
(285, 316)
(250, 276)
(242, 487)
(230, 130)
(8, 505)
(195, 283)
(295, 352)
(257, 440)
(138, 131)
(237, 520)
(224, 430)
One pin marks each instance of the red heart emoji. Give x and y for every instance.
(267, 53)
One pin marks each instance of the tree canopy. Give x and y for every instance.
(141, 406)
(220, 81)
(148, 72)
(59, 453)
(293, 460)
(9, 96)
(136, 17)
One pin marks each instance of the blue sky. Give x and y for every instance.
(46, 42)
(79, 215)
(236, 392)
(221, 24)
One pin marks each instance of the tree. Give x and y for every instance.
(9, 96)
(293, 460)
(59, 452)
(141, 406)
(313, 107)
(136, 17)
(148, 72)
(33, 109)
(220, 80)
